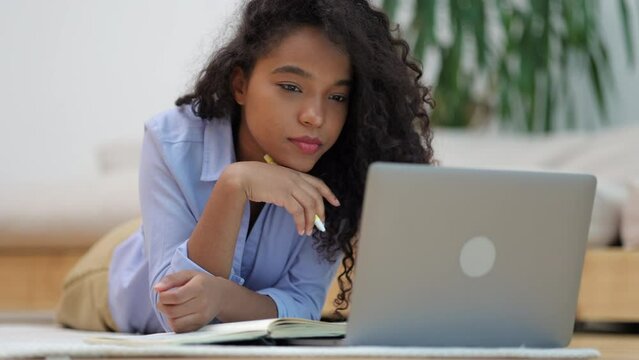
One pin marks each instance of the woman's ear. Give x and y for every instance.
(238, 85)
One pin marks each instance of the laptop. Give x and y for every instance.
(469, 258)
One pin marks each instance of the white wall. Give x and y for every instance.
(78, 73)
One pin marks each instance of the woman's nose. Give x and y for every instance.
(312, 114)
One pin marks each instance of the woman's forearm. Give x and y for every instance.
(241, 304)
(212, 246)
(212, 243)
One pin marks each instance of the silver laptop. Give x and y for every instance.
(462, 257)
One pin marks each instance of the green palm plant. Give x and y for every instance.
(520, 53)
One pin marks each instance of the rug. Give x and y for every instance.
(41, 340)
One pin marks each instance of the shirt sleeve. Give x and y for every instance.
(301, 292)
(167, 216)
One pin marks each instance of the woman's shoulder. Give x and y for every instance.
(178, 124)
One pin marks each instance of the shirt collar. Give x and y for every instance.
(218, 148)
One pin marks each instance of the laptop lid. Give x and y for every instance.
(466, 257)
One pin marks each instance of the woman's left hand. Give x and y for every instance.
(189, 299)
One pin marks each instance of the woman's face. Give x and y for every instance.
(295, 102)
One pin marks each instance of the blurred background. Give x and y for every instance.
(527, 66)
(519, 84)
(78, 74)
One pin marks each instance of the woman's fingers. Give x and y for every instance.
(179, 310)
(186, 323)
(174, 280)
(301, 194)
(182, 290)
(323, 189)
(309, 204)
(296, 209)
(317, 205)
(190, 306)
(176, 296)
(309, 193)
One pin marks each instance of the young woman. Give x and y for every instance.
(322, 87)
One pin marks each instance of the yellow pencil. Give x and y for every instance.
(318, 222)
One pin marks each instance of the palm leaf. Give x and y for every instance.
(390, 7)
(595, 77)
(625, 21)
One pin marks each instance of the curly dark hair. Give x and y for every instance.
(387, 116)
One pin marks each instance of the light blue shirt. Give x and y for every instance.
(182, 158)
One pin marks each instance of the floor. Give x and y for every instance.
(611, 346)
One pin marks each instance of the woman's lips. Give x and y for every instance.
(307, 145)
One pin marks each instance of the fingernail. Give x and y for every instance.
(337, 202)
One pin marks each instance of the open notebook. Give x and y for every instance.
(282, 328)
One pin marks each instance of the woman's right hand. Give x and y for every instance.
(299, 193)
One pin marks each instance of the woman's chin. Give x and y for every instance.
(305, 169)
(302, 166)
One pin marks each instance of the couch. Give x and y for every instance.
(610, 282)
(45, 228)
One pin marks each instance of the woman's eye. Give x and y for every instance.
(290, 87)
(338, 98)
